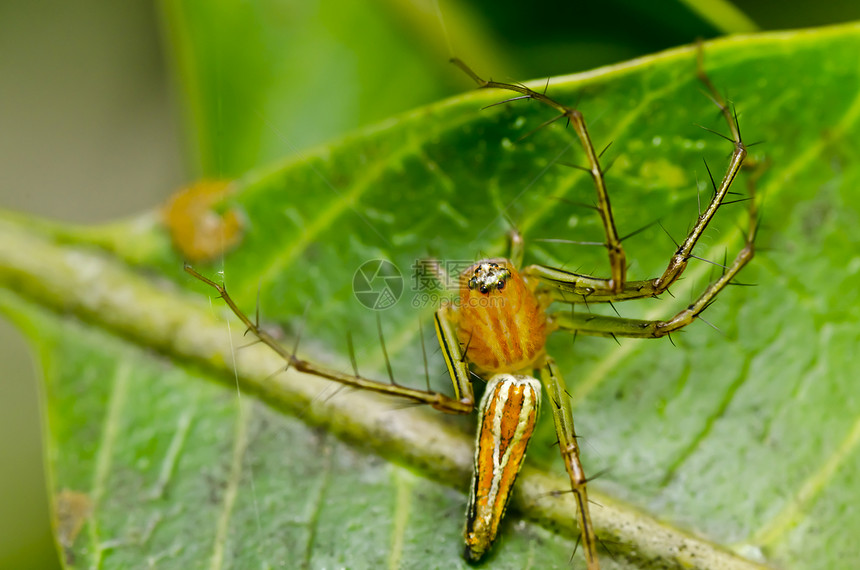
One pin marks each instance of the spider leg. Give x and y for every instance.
(516, 248)
(617, 257)
(463, 403)
(577, 288)
(679, 261)
(600, 325)
(559, 401)
(455, 358)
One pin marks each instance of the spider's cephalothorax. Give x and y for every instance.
(500, 321)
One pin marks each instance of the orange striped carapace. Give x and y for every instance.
(499, 318)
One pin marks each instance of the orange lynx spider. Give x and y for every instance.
(500, 327)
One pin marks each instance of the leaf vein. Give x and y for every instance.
(109, 434)
(240, 445)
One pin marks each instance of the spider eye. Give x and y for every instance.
(489, 276)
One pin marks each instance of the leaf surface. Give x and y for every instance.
(746, 439)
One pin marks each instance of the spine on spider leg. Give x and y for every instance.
(508, 413)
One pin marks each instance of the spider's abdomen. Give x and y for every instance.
(501, 324)
(507, 417)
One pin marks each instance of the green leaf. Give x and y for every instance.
(743, 441)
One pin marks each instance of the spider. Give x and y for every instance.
(499, 326)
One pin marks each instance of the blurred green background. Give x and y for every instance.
(96, 121)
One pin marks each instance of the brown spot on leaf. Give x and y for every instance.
(72, 510)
